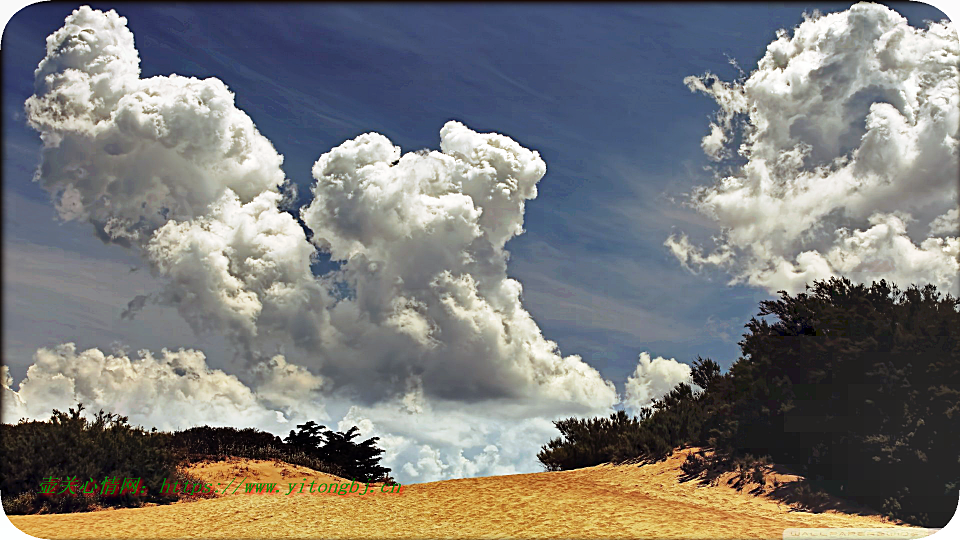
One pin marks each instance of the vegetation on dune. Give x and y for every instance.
(856, 388)
(107, 447)
(71, 446)
(356, 461)
(220, 443)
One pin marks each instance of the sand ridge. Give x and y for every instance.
(605, 501)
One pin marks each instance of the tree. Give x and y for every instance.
(358, 461)
(705, 371)
(856, 387)
(309, 437)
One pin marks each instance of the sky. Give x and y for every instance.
(448, 224)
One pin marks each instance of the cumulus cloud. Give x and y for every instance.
(849, 130)
(451, 440)
(652, 379)
(153, 163)
(126, 153)
(947, 224)
(421, 237)
(421, 306)
(243, 270)
(176, 389)
(289, 388)
(419, 329)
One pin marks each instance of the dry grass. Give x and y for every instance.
(628, 501)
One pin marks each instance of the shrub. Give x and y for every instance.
(694, 464)
(24, 503)
(69, 445)
(674, 420)
(219, 443)
(107, 446)
(585, 443)
(809, 499)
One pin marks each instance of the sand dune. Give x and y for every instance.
(606, 501)
(221, 473)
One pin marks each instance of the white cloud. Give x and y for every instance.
(948, 223)
(851, 131)
(713, 144)
(282, 385)
(128, 153)
(421, 329)
(170, 167)
(421, 237)
(652, 379)
(434, 444)
(176, 389)
(243, 269)
(149, 163)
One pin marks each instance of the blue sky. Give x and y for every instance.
(597, 90)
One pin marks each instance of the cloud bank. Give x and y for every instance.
(175, 390)
(848, 160)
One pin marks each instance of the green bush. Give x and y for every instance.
(69, 445)
(856, 388)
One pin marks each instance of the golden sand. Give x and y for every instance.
(606, 501)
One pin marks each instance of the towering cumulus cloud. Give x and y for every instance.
(127, 154)
(421, 307)
(422, 239)
(849, 164)
(168, 166)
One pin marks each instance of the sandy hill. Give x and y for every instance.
(236, 470)
(627, 501)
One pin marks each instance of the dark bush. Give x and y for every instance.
(584, 443)
(354, 460)
(219, 443)
(856, 388)
(809, 499)
(69, 445)
(694, 464)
